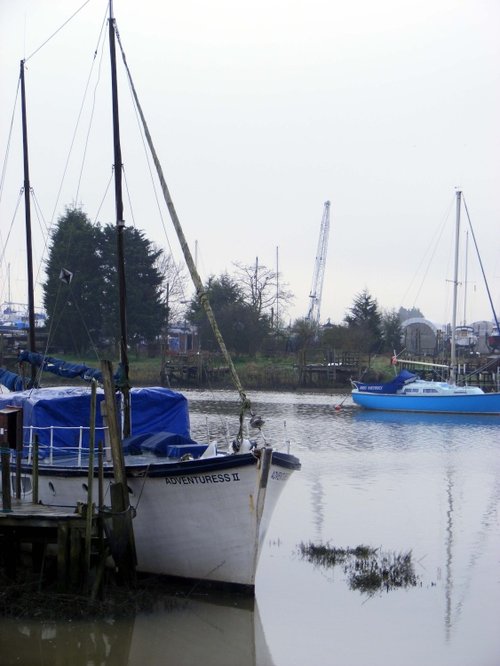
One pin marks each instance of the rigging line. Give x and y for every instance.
(128, 198)
(54, 325)
(480, 262)
(91, 340)
(65, 170)
(58, 30)
(484, 368)
(145, 478)
(7, 150)
(84, 157)
(45, 228)
(434, 243)
(200, 290)
(74, 136)
(148, 162)
(4, 245)
(103, 197)
(45, 232)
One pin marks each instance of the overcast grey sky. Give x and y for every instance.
(263, 110)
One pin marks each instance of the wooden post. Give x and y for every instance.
(62, 555)
(6, 496)
(123, 534)
(103, 551)
(100, 458)
(19, 450)
(34, 467)
(11, 423)
(75, 557)
(90, 482)
(112, 417)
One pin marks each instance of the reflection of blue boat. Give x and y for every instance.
(408, 393)
(424, 418)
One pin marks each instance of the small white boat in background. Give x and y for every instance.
(465, 339)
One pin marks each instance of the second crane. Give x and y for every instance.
(319, 267)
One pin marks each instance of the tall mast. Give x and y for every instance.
(27, 207)
(455, 291)
(465, 276)
(120, 228)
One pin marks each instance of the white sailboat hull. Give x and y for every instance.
(203, 519)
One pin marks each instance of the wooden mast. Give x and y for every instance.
(120, 228)
(27, 207)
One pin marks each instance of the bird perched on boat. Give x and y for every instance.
(256, 421)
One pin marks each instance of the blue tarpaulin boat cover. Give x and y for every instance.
(163, 444)
(11, 380)
(153, 409)
(404, 377)
(61, 368)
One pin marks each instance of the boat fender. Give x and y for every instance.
(242, 446)
(210, 451)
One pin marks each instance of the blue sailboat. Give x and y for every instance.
(408, 393)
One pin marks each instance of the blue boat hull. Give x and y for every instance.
(486, 403)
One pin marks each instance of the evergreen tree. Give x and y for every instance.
(145, 311)
(304, 333)
(391, 330)
(405, 313)
(337, 336)
(241, 326)
(364, 322)
(72, 313)
(85, 312)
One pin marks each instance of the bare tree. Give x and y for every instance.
(264, 290)
(174, 286)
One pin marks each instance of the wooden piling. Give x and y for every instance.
(90, 483)
(34, 468)
(122, 539)
(11, 432)
(6, 493)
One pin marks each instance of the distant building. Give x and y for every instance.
(422, 337)
(183, 338)
(483, 330)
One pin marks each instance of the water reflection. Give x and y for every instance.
(317, 498)
(449, 554)
(424, 419)
(424, 483)
(427, 483)
(181, 632)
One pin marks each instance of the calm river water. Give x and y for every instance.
(400, 483)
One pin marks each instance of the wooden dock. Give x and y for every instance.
(335, 369)
(30, 530)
